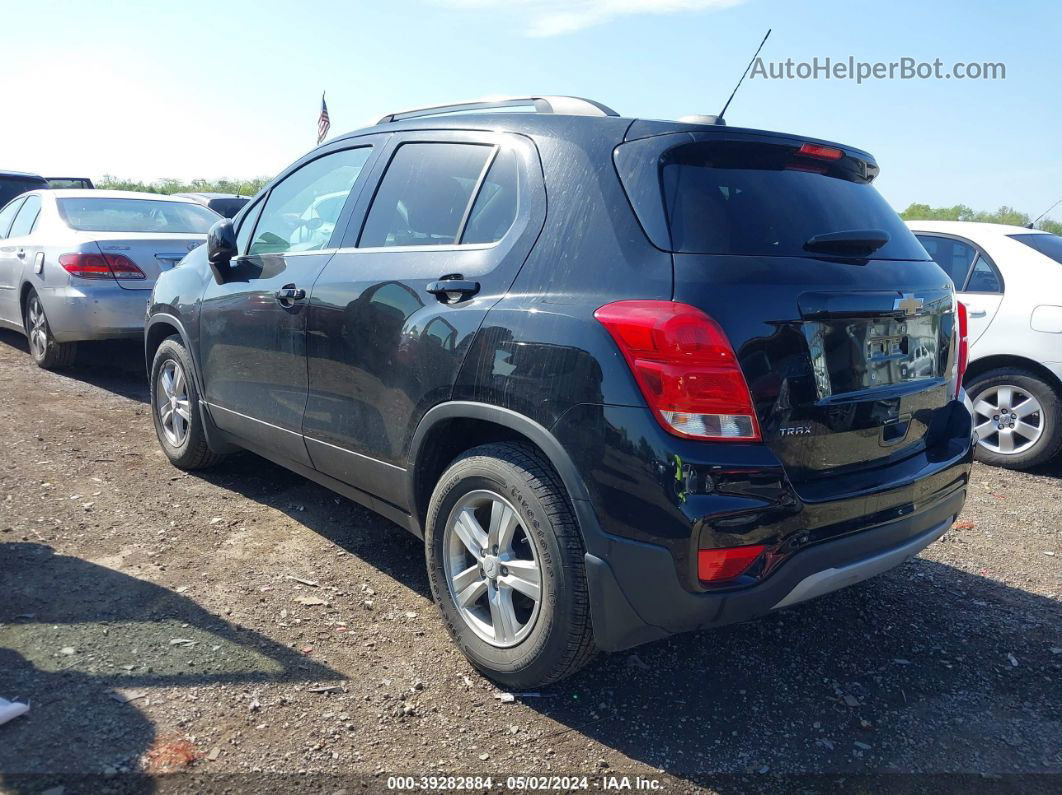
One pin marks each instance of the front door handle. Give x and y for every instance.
(450, 291)
(976, 311)
(289, 293)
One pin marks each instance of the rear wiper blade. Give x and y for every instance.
(850, 241)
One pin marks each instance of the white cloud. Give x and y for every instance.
(557, 17)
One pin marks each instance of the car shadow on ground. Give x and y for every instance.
(927, 669)
(911, 671)
(379, 542)
(92, 644)
(114, 365)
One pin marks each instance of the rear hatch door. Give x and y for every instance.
(842, 324)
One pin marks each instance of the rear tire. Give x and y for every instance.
(175, 408)
(1029, 410)
(46, 352)
(542, 640)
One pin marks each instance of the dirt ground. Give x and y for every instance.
(255, 631)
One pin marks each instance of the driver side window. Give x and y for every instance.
(300, 213)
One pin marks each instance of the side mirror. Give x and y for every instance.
(221, 243)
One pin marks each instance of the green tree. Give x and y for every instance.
(960, 212)
(247, 187)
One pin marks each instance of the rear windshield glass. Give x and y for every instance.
(227, 207)
(10, 187)
(761, 199)
(136, 215)
(1048, 245)
(63, 183)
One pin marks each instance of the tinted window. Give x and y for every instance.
(10, 187)
(424, 195)
(495, 208)
(27, 216)
(954, 256)
(135, 215)
(227, 207)
(1048, 245)
(243, 236)
(983, 278)
(69, 182)
(7, 215)
(761, 199)
(300, 213)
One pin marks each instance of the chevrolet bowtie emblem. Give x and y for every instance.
(909, 304)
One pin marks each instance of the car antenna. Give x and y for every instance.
(1045, 212)
(722, 113)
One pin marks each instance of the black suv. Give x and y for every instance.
(15, 183)
(624, 377)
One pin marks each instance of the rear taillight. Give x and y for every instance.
(100, 266)
(685, 368)
(716, 565)
(964, 345)
(122, 267)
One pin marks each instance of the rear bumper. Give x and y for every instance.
(94, 312)
(637, 598)
(653, 501)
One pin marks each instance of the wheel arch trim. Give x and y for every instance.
(997, 361)
(535, 432)
(170, 320)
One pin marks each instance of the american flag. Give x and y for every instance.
(323, 124)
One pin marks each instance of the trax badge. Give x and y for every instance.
(909, 304)
(794, 430)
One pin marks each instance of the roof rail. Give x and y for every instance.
(571, 106)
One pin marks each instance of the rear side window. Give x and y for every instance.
(424, 196)
(1048, 245)
(766, 199)
(983, 278)
(7, 215)
(27, 217)
(497, 202)
(954, 256)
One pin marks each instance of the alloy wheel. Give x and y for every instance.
(38, 328)
(1008, 420)
(494, 574)
(172, 402)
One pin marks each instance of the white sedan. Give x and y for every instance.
(1010, 279)
(78, 265)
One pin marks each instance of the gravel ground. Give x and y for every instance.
(254, 630)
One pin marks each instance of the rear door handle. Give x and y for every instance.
(976, 312)
(453, 290)
(289, 292)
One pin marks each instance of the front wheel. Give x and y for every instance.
(1017, 418)
(175, 408)
(505, 562)
(46, 352)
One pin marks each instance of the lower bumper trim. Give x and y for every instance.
(835, 578)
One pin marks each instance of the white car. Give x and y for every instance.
(1010, 279)
(79, 265)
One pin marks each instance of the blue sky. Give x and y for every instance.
(211, 89)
